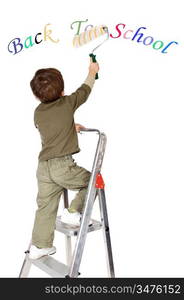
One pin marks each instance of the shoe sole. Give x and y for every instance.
(52, 253)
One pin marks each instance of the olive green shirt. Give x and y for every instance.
(55, 122)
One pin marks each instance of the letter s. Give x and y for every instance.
(47, 289)
(118, 30)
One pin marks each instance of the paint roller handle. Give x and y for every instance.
(93, 57)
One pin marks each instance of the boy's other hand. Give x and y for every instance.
(93, 68)
(78, 127)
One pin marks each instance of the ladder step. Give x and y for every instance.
(51, 266)
(72, 230)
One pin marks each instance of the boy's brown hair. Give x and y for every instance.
(47, 85)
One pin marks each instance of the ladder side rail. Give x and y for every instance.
(68, 240)
(89, 200)
(26, 266)
(106, 232)
(65, 196)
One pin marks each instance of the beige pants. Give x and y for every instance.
(53, 176)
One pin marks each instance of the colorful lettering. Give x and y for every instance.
(125, 34)
(47, 34)
(16, 44)
(30, 42)
(160, 46)
(88, 26)
(118, 30)
(173, 42)
(79, 25)
(138, 34)
(148, 38)
(36, 40)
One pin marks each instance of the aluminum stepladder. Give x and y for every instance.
(95, 189)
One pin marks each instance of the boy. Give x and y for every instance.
(54, 118)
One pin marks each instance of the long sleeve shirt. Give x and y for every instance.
(55, 122)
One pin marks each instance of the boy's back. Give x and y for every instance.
(55, 123)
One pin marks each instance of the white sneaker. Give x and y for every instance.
(72, 218)
(35, 253)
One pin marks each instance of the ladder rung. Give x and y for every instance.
(72, 230)
(51, 266)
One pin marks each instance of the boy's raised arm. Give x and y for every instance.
(81, 94)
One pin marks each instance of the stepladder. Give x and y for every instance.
(96, 190)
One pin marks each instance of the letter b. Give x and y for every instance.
(15, 46)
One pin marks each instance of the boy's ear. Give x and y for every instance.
(62, 93)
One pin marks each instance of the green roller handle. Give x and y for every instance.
(94, 60)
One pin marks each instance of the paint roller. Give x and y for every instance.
(89, 35)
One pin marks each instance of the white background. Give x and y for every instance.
(137, 102)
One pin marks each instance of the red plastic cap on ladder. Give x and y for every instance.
(99, 182)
